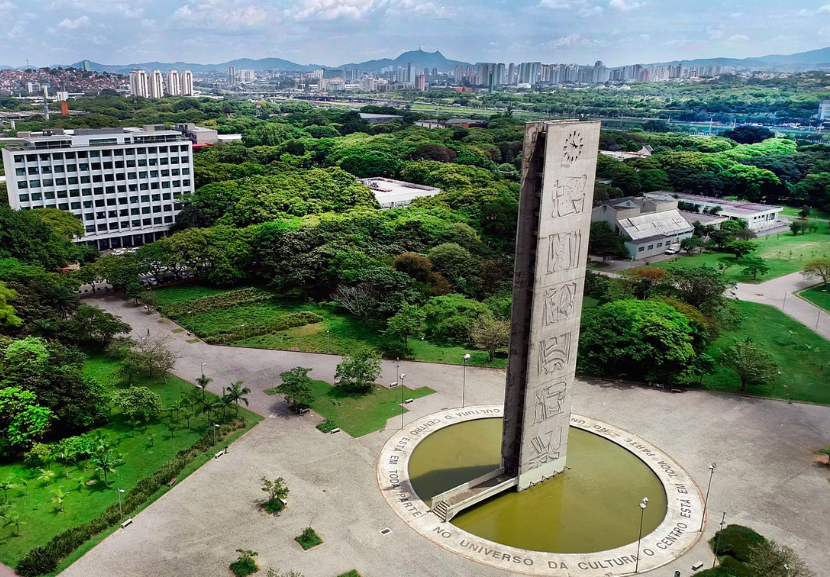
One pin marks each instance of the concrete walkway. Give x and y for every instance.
(778, 293)
(767, 476)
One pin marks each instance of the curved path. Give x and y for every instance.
(766, 477)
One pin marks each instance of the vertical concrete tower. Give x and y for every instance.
(551, 253)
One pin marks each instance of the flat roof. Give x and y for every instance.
(736, 207)
(388, 190)
(655, 224)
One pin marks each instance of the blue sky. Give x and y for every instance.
(337, 31)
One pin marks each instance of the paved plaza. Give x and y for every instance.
(767, 476)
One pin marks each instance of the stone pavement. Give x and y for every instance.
(766, 477)
(779, 293)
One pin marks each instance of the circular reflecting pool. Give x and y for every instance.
(593, 506)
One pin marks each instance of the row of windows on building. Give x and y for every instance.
(106, 165)
(99, 178)
(130, 224)
(100, 202)
(71, 154)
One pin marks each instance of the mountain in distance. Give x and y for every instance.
(418, 59)
(239, 64)
(800, 61)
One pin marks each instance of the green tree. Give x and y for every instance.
(692, 244)
(59, 498)
(6, 485)
(645, 340)
(134, 402)
(22, 419)
(357, 373)
(740, 248)
(754, 265)
(452, 260)
(276, 489)
(702, 287)
(490, 335)
(14, 518)
(212, 407)
(749, 134)
(296, 387)
(604, 242)
(753, 366)
(409, 321)
(7, 316)
(817, 268)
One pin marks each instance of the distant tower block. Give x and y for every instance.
(551, 253)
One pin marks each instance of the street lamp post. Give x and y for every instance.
(215, 426)
(643, 505)
(706, 501)
(717, 542)
(400, 384)
(203, 370)
(464, 360)
(120, 510)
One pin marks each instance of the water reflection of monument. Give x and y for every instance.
(551, 254)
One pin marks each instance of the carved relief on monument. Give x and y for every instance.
(554, 354)
(544, 448)
(559, 303)
(550, 402)
(564, 249)
(569, 196)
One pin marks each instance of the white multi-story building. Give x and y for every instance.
(138, 84)
(156, 82)
(246, 76)
(186, 78)
(125, 185)
(173, 86)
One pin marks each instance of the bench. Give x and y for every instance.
(333, 431)
(677, 390)
(304, 411)
(697, 566)
(125, 523)
(406, 402)
(219, 454)
(171, 482)
(393, 385)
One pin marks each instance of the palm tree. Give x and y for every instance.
(106, 463)
(46, 475)
(59, 497)
(187, 413)
(5, 486)
(211, 407)
(203, 382)
(237, 393)
(177, 406)
(226, 401)
(62, 299)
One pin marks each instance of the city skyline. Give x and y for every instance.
(616, 31)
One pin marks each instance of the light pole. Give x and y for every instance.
(120, 510)
(717, 542)
(706, 501)
(215, 426)
(643, 505)
(400, 384)
(464, 360)
(203, 370)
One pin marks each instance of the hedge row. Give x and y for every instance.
(45, 559)
(280, 323)
(226, 300)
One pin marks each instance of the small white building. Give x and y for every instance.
(758, 217)
(651, 226)
(379, 118)
(393, 193)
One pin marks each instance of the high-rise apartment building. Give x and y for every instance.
(138, 84)
(458, 75)
(231, 75)
(186, 83)
(125, 186)
(156, 83)
(173, 83)
(421, 82)
(246, 76)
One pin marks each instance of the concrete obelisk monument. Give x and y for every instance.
(551, 254)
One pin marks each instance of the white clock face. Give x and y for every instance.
(573, 146)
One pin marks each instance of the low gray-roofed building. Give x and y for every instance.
(392, 193)
(379, 118)
(758, 217)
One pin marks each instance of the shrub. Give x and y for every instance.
(245, 564)
(45, 559)
(226, 300)
(272, 506)
(327, 426)
(251, 330)
(308, 538)
(38, 454)
(737, 541)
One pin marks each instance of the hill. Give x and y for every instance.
(418, 59)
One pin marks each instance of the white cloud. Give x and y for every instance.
(74, 24)
(555, 4)
(123, 8)
(572, 40)
(331, 9)
(676, 42)
(715, 32)
(626, 5)
(419, 9)
(736, 15)
(645, 37)
(7, 6)
(825, 8)
(224, 14)
(588, 11)
(738, 38)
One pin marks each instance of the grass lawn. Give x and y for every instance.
(186, 292)
(359, 415)
(815, 214)
(800, 353)
(143, 452)
(783, 252)
(818, 295)
(340, 333)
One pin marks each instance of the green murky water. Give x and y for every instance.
(593, 506)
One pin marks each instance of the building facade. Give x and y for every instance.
(138, 84)
(172, 83)
(125, 185)
(758, 217)
(186, 79)
(156, 82)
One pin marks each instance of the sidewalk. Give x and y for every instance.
(778, 293)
